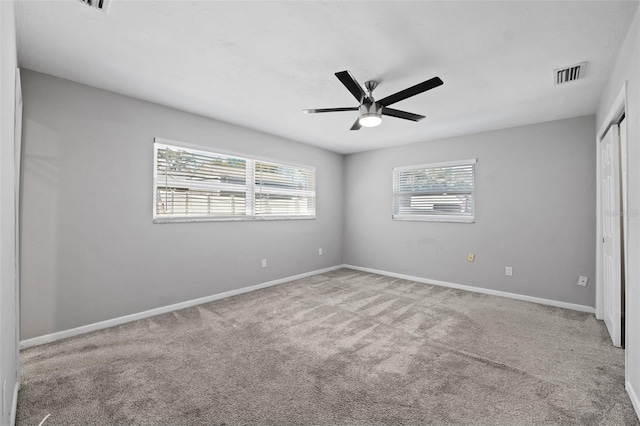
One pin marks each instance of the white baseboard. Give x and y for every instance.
(14, 404)
(48, 338)
(633, 396)
(40, 340)
(516, 296)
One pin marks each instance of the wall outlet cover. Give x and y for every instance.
(264, 263)
(319, 252)
(471, 257)
(582, 281)
(508, 271)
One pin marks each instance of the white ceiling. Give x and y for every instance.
(257, 64)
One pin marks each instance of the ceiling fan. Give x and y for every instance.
(371, 111)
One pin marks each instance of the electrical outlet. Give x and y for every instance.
(508, 271)
(582, 281)
(320, 252)
(264, 263)
(470, 257)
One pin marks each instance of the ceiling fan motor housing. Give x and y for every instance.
(370, 114)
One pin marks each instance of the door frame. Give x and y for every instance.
(17, 158)
(614, 115)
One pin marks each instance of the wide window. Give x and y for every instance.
(435, 192)
(193, 184)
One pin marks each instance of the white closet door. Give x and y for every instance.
(611, 249)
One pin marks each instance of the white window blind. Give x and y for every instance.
(193, 184)
(284, 190)
(435, 192)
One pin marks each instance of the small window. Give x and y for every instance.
(193, 184)
(435, 192)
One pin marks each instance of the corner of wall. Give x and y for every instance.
(9, 355)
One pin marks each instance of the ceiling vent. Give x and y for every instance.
(570, 73)
(97, 4)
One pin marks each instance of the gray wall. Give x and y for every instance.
(627, 68)
(90, 251)
(9, 361)
(535, 211)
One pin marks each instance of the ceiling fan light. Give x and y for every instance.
(370, 115)
(370, 120)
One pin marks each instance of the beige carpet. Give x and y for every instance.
(340, 348)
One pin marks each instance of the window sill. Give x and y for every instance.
(228, 219)
(452, 219)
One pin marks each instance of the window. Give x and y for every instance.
(193, 184)
(283, 190)
(435, 192)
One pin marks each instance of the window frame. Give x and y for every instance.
(250, 185)
(259, 190)
(453, 218)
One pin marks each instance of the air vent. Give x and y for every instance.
(571, 73)
(97, 4)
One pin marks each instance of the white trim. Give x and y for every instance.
(17, 162)
(538, 300)
(618, 107)
(633, 396)
(190, 219)
(598, 280)
(433, 218)
(154, 191)
(48, 338)
(14, 404)
(433, 165)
